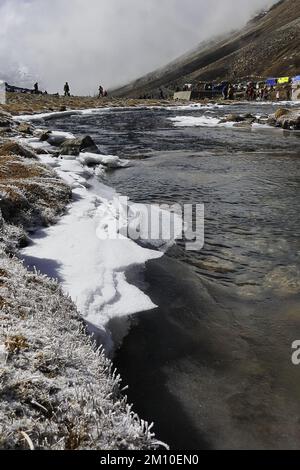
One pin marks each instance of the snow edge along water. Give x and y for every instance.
(91, 269)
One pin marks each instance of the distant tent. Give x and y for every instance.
(271, 82)
(296, 88)
(283, 80)
(2, 92)
(16, 89)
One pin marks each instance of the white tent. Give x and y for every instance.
(2, 92)
(296, 89)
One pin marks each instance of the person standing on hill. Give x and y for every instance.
(36, 88)
(67, 89)
(225, 91)
(101, 92)
(250, 93)
(265, 96)
(230, 93)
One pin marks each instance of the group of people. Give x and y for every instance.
(102, 93)
(266, 92)
(229, 91)
(253, 92)
(36, 90)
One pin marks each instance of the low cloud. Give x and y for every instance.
(89, 42)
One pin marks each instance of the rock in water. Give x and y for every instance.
(75, 146)
(243, 124)
(233, 118)
(56, 140)
(25, 128)
(45, 135)
(4, 122)
(289, 120)
(281, 112)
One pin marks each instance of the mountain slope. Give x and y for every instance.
(268, 45)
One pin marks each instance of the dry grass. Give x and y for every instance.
(12, 167)
(13, 148)
(30, 104)
(15, 343)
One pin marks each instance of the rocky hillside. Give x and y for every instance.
(269, 45)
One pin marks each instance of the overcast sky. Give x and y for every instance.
(89, 42)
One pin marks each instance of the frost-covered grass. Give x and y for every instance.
(30, 193)
(56, 390)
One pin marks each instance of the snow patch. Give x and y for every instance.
(200, 121)
(194, 106)
(91, 270)
(110, 161)
(58, 114)
(90, 266)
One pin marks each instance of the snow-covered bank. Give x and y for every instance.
(90, 266)
(58, 114)
(284, 118)
(208, 121)
(91, 270)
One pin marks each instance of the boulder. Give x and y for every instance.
(14, 148)
(56, 140)
(5, 122)
(289, 120)
(25, 128)
(281, 112)
(250, 116)
(233, 118)
(271, 120)
(244, 125)
(41, 151)
(44, 136)
(81, 144)
(5, 130)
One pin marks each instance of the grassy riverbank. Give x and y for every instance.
(29, 104)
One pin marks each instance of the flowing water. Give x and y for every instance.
(211, 366)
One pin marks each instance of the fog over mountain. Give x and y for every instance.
(88, 42)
